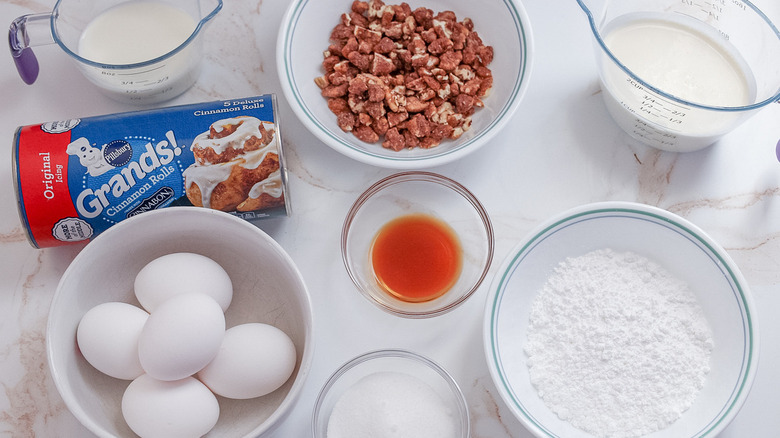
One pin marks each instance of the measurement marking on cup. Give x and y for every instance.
(141, 72)
(710, 8)
(662, 109)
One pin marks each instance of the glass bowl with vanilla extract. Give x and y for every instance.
(417, 244)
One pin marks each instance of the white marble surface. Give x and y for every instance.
(561, 151)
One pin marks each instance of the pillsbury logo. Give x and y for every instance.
(117, 153)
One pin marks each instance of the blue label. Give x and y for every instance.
(126, 164)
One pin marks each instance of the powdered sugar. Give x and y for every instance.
(616, 345)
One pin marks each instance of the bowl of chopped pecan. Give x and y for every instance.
(407, 85)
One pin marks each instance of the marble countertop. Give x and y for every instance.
(562, 150)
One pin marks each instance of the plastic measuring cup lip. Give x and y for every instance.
(597, 35)
(193, 35)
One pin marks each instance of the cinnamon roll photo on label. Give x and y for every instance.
(75, 178)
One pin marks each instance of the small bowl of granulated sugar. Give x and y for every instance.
(621, 320)
(390, 393)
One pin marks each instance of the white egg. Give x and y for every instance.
(107, 336)
(178, 409)
(254, 360)
(182, 272)
(181, 336)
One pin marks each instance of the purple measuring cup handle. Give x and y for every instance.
(21, 50)
(777, 150)
(26, 65)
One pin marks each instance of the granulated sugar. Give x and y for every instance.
(616, 345)
(391, 405)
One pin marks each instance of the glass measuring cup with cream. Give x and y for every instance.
(679, 74)
(139, 51)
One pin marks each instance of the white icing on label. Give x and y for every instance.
(249, 127)
(207, 176)
(271, 185)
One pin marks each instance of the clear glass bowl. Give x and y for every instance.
(418, 193)
(402, 361)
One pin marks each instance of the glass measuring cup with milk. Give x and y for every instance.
(139, 51)
(679, 74)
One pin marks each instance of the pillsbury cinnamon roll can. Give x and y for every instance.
(76, 178)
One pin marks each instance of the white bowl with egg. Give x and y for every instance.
(682, 250)
(304, 36)
(267, 289)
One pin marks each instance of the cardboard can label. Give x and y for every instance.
(76, 178)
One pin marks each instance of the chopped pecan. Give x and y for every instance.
(345, 120)
(429, 35)
(439, 46)
(441, 131)
(485, 86)
(365, 34)
(366, 134)
(335, 90)
(394, 140)
(402, 11)
(394, 30)
(471, 87)
(329, 62)
(381, 65)
(357, 19)
(380, 126)
(340, 32)
(384, 46)
(427, 94)
(485, 54)
(358, 85)
(377, 92)
(464, 104)
(429, 142)
(450, 60)
(360, 60)
(359, 6)
(338, 105)
(419, 126)
(396, 98)
(410, 76)
(364, 119)
(351, 45)
(423, 17)
(415, 105)
(396, 118)
(410, 140)
(322, 81)
(375, 110)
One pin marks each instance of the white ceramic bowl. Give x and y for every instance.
(671, 241)
(399, 361)
(304, 35)
(267, 288)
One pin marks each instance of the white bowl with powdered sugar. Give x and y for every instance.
(619, 319)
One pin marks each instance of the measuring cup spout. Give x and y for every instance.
(215, 5)
(595, 10)
(25, 32)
